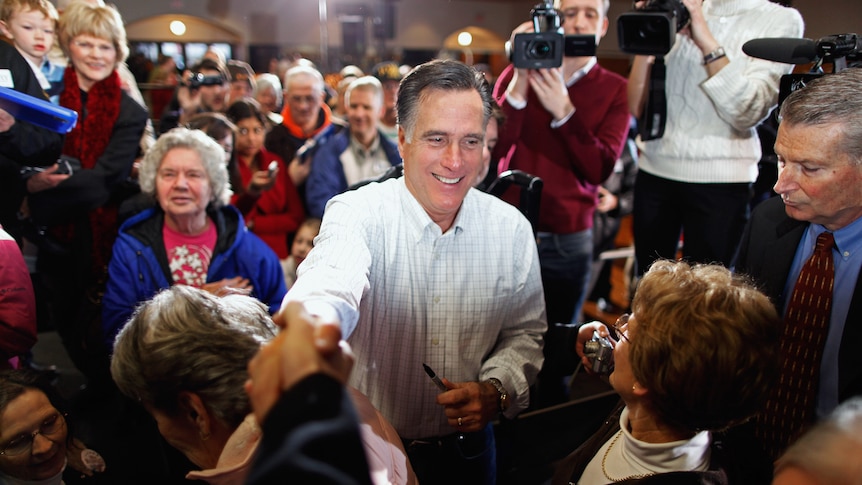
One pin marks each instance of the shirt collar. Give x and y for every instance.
(422, 223)
(580, 73)
(848, 239)
(359, 148)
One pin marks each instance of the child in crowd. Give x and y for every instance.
(302, 244)
(30, 25)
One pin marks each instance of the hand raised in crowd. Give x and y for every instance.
(697, 29)
(520, 82)
(261, 181)
(550, 88)
(298, 169)
(229, 286)
(475, 403)
(189, 99)
(45, 180)
(306, 345)
(585, 334)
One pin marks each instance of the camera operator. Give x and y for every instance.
(697, 178)
(204, 89)
(568, 126)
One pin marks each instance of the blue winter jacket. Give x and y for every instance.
(139, 265)
(327, 179)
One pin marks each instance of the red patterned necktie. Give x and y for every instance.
(791, 404)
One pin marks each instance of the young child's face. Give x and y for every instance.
(302, 244)
(32, 32)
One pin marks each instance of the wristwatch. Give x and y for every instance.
(715, 55)
(504, 396)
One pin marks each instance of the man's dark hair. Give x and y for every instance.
(438, 75)
(211, 65)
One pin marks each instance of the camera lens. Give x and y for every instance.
(540, 49)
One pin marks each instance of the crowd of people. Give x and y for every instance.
(241, 295)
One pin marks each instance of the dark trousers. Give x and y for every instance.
(455, 458)
(711, 218)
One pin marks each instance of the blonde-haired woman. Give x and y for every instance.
(80, 209)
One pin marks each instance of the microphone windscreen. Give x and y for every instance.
(788, 50)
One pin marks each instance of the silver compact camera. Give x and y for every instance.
(600, 352)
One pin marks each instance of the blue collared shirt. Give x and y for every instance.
(847, 256)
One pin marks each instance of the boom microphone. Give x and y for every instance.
(788, 50)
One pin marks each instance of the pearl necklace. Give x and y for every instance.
(605, 459)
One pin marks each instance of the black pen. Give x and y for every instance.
(434, 378)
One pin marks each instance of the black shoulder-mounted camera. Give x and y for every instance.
(651, 30)
(199, 79)
(546, 46)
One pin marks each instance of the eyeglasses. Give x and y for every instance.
(621, 326)
(24, 443)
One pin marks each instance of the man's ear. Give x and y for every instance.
(402, 140)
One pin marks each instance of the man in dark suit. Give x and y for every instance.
(819, 148)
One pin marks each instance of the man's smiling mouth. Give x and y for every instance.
(447, 180)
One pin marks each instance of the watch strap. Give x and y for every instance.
(503, 401)
(715, 55)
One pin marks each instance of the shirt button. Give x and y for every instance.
(436, 299)
(435, 341)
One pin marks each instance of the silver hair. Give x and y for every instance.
(824, 450)
(187, 340)
(269, 81)
(298, 71)
(365, 83)
(831, 99)
(212, 157)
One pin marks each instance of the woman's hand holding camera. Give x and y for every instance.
(585, 334)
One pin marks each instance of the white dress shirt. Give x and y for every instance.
(469, 303)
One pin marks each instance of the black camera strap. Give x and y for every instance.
(652, 120)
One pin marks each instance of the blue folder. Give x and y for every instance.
(37, 111)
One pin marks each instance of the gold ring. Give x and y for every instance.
(460, 422)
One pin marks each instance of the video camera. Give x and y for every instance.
(651, 30)
(841, 50)
(545, 47)
(199, 79)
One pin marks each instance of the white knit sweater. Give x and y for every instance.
(709, 136)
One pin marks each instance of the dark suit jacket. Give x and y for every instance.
(766, 254)
(23, 144)
(311, 435)
(88, 189)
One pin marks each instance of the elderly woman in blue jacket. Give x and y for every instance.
(191, 237)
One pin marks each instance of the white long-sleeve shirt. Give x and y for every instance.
(469, 303)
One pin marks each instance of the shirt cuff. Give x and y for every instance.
(557, 124)
(519, 105)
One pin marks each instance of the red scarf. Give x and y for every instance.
(87, 142)
(89, 138)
